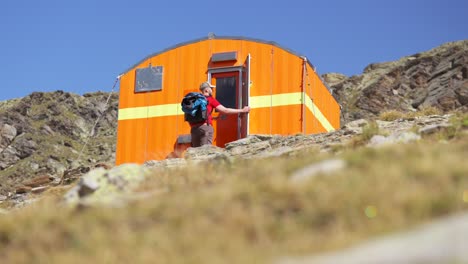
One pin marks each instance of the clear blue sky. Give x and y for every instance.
(82, 46)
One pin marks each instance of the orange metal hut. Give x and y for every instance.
(284, 92)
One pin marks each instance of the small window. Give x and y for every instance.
(148, 79)
(226, 88)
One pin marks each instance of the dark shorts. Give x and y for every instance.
(202, 135)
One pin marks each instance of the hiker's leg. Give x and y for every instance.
(207, 138)
(210, 135)
(196, 134)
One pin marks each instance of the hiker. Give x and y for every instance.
(202, 132)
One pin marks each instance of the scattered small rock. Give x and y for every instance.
(38, 181)
(23, 189)
(355, 126)
(71, 175)
(100, 186)
(167, 163)
(39, 189)
(103, 165)
(323, 167)
(405, 137)
(431, 129)
(87, 185)
(206, 152)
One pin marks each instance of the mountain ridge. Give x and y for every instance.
(435, 78)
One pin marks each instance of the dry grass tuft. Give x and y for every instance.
(429, 110)
(392, 115)
(368, 131)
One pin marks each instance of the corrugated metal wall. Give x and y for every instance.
(150, 122)
(323, 111)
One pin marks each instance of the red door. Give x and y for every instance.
(227, 93)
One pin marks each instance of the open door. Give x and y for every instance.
(232, 91)
(227, 93)
(245, 95)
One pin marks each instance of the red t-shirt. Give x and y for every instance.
(212, 104)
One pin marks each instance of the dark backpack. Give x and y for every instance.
(194, 106)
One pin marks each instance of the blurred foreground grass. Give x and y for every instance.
(249, 211)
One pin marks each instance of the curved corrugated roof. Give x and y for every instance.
(219, 37)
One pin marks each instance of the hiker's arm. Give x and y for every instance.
(226, 110)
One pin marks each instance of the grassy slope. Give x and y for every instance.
(248, 211)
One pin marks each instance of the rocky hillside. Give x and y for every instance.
(436, 78)
(44, 134)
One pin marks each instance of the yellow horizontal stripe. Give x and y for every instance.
(275, 100)
(290, 99)
(149, 111)
(255, 102)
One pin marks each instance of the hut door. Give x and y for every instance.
(227, 127)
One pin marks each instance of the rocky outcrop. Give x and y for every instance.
(107, 187)
(44, 133)
(262, 146)
(437, 78)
